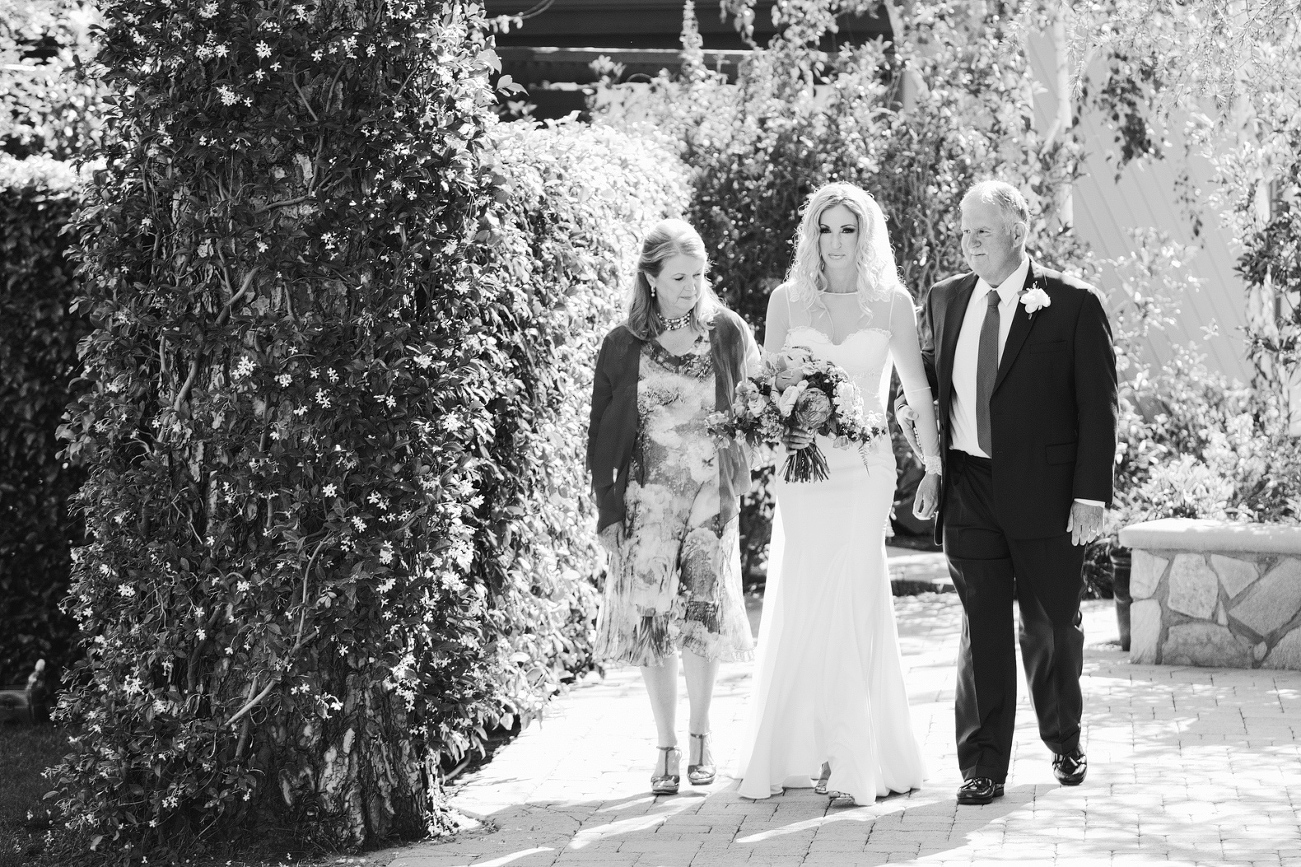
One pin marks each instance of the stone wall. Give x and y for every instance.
(1213, 593)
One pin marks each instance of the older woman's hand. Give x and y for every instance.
(609, 537)
(797, 439)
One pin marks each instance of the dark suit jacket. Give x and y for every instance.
(1053, 411)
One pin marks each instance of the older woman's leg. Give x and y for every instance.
(662, 687)
(700, 673)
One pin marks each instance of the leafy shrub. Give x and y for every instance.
(38, 360)
(45, 108)
(1194, 445)
(574, 204)
(285, 423)
(1271, 264)
(342, 322)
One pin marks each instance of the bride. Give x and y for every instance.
(829, 700)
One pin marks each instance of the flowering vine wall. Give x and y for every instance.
(334, 508)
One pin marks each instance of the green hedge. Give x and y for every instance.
(336, 512)
(38, 360)
(574, 204)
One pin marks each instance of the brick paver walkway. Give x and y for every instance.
(1186, 766)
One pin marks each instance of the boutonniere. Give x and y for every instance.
(1035, 299)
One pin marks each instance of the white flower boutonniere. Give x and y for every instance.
(1035, 299)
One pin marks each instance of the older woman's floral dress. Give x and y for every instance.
(675, 575)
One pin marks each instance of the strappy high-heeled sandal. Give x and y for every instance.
(821, 787)
(666, 783)
(701, 774)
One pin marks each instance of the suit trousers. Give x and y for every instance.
(989, 569)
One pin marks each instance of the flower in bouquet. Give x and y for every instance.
(813, 409)
(789, 367)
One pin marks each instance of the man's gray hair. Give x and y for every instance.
(1005, 197)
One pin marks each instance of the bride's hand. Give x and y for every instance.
(928, 497)
(797, 439)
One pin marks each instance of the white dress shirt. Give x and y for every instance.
(962, 413)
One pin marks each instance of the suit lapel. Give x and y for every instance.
(1021, 324)
(953, 315)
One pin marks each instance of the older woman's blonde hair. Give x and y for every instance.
(668, 238)
(877, 274)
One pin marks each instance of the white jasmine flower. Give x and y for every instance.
(329, 490)
(263, 50)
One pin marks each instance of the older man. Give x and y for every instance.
(1021, 361)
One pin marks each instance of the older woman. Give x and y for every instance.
(667, 493)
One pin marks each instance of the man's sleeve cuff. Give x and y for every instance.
(1085, 502)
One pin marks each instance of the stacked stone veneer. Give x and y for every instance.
(1213, 593)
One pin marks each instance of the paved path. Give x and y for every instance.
(1187, 766)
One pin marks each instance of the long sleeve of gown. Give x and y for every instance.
(912, 373)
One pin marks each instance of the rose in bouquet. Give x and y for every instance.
(794, 391)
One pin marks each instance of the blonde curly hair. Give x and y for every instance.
(878, 276)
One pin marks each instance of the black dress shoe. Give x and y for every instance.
(1069, 769)
(979, 790)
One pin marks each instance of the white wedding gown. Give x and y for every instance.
(829, 682)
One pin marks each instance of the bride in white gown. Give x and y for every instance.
(829, 703)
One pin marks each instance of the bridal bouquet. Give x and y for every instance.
(794, 391)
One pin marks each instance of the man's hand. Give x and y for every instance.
(1085, 523)
(797, 439)
(928, 497)
(907, 419)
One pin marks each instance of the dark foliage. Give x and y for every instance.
(38, 362)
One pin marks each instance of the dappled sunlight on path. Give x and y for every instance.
(1187, 766)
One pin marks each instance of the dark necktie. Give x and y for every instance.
(987, 371)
